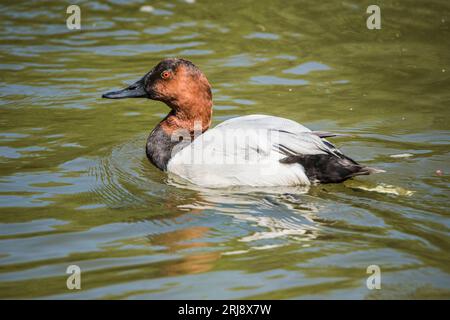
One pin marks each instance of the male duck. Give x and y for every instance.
(254, 150)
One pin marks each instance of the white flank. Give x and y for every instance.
(245, 151)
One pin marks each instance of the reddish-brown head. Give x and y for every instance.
(179, 84)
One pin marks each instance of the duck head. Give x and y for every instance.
(179, 84)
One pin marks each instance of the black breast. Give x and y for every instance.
(160, 147)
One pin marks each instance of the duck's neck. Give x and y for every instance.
(177, 120)
(177, 127)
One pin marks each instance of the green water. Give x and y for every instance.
(76, 187)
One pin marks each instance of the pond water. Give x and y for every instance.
(77, 189)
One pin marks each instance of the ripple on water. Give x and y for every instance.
(134, 49)
(242, 60)
(274, 80)
(307, 67)
(262, 35)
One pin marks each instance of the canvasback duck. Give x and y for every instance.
(253, 150)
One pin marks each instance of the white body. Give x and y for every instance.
(246, 151)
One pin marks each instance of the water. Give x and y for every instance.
(76, 187)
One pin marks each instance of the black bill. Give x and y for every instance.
(136, 90)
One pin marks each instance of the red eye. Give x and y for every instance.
(165, 74)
